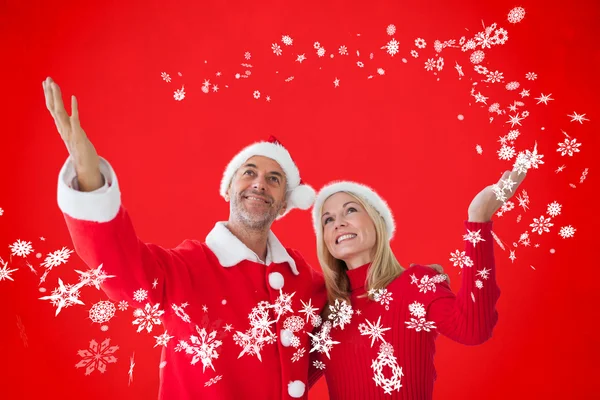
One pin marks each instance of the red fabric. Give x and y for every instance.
(348, 371)
(191, 273)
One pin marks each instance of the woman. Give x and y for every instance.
(379, 342)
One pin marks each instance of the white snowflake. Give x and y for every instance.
(430, 64)
(512, 85)
(321, 341)
(479, 284)
(477, 57)
(256, 94)
(427, 284)
(567, 231)
(123, 305)
(166, 77)
(483, 273)
(493, 77)
(341, 313)
(180, 312)
(202, 348)
(391, 29)
(247, 55)
(473, 237)
(414, 53)
(64, 296)
(568, 147)
(343, 50)
(308, 309)
(420, 43)
(298, 354)
(163, 339)
(506, 152)
(5, 272)
(417, 309)
(541, 225)
(212, 381)
(385, 358)
(93, 277)
(319, 364)
(578, 118)
(102, 312)
(21, 248)
(97, 357)
(420, 324)
(321, 51)
(276, 49)
(140, 295)
(532, 76)
(147, 317)
(179, 94)
(461, 259)
(374, 330)
(392, 47)
(516, 15)
(287, 40)
(293, 323)
(554, 209)
(382, 296)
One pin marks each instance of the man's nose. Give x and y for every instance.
(259, 183)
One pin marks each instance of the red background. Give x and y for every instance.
(398, 133)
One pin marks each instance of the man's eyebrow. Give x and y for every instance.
(250, 165)
(277, 173)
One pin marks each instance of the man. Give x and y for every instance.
(240, 303)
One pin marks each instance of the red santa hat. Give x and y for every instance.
(299, 194)
(363, 192)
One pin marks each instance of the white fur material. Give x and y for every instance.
(286, 336)
(276, 280)
(296, 389)
(364, 192)
(101, 205)
(297, 196)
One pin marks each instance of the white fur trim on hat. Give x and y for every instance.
(360, 190)
(298, 195)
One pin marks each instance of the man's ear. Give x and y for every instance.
(227, 196)
(283, 208)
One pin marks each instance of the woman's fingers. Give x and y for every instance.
(74, 111)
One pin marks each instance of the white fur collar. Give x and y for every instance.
(231, 251)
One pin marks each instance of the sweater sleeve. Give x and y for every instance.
(470, 316)
(103, 234)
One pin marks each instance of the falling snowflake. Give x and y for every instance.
(418, 322)
(516, 15)
(506, 152)
(473, 237)
(163, 339)
(93, 277)
(256, 94)
(461, 259)
(385, 358)
(382, 296)
(293, 323)
(5, 272)
(123, 305)
(140, 295)
(247, 55)
(147, 317)
(276, 49)
(319, 365)
(380, 71)
(298, 354)
(512, 85)
(532, 76)
(414, 53)
(567, 231)
(102, 312)
(427, 284)
(341, 313)
(392, 47)
(308, 309)
(430, 64)
(477, 57)
(202, 347)
(321, 341)
(420, 43)
(97, 357)
(541, 225)
(391, 29)
(479, 149)
(180, 312)
(64, 296)
(343, 50)
(554, 209)
(166, 77)
(212, 381)
(287, 40)
(568, 147)
(417, 309)
(478, 284)
(374, 330)
(21, 248)
(483, 273)
(493, 77)
(179, 94)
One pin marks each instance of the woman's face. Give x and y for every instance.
(348, 230)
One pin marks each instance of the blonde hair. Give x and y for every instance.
(383, 270)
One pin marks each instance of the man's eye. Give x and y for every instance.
(275, 179)
(249, 172)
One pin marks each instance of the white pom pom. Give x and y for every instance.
(303, 196)
(296, 389)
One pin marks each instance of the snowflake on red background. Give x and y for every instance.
(57, 258)
(147, 317)
(4, 271)
(97, 357)
(202, 348)
(21, 248)
(102, 312)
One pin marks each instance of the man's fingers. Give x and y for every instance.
(74, 110)
(60, 114)
(48, 95)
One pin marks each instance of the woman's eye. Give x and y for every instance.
(352, 209)
(326, 220)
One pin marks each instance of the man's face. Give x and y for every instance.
(257, 192)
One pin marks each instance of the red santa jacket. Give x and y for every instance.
(232, 326)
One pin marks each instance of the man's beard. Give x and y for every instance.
(254, 221)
